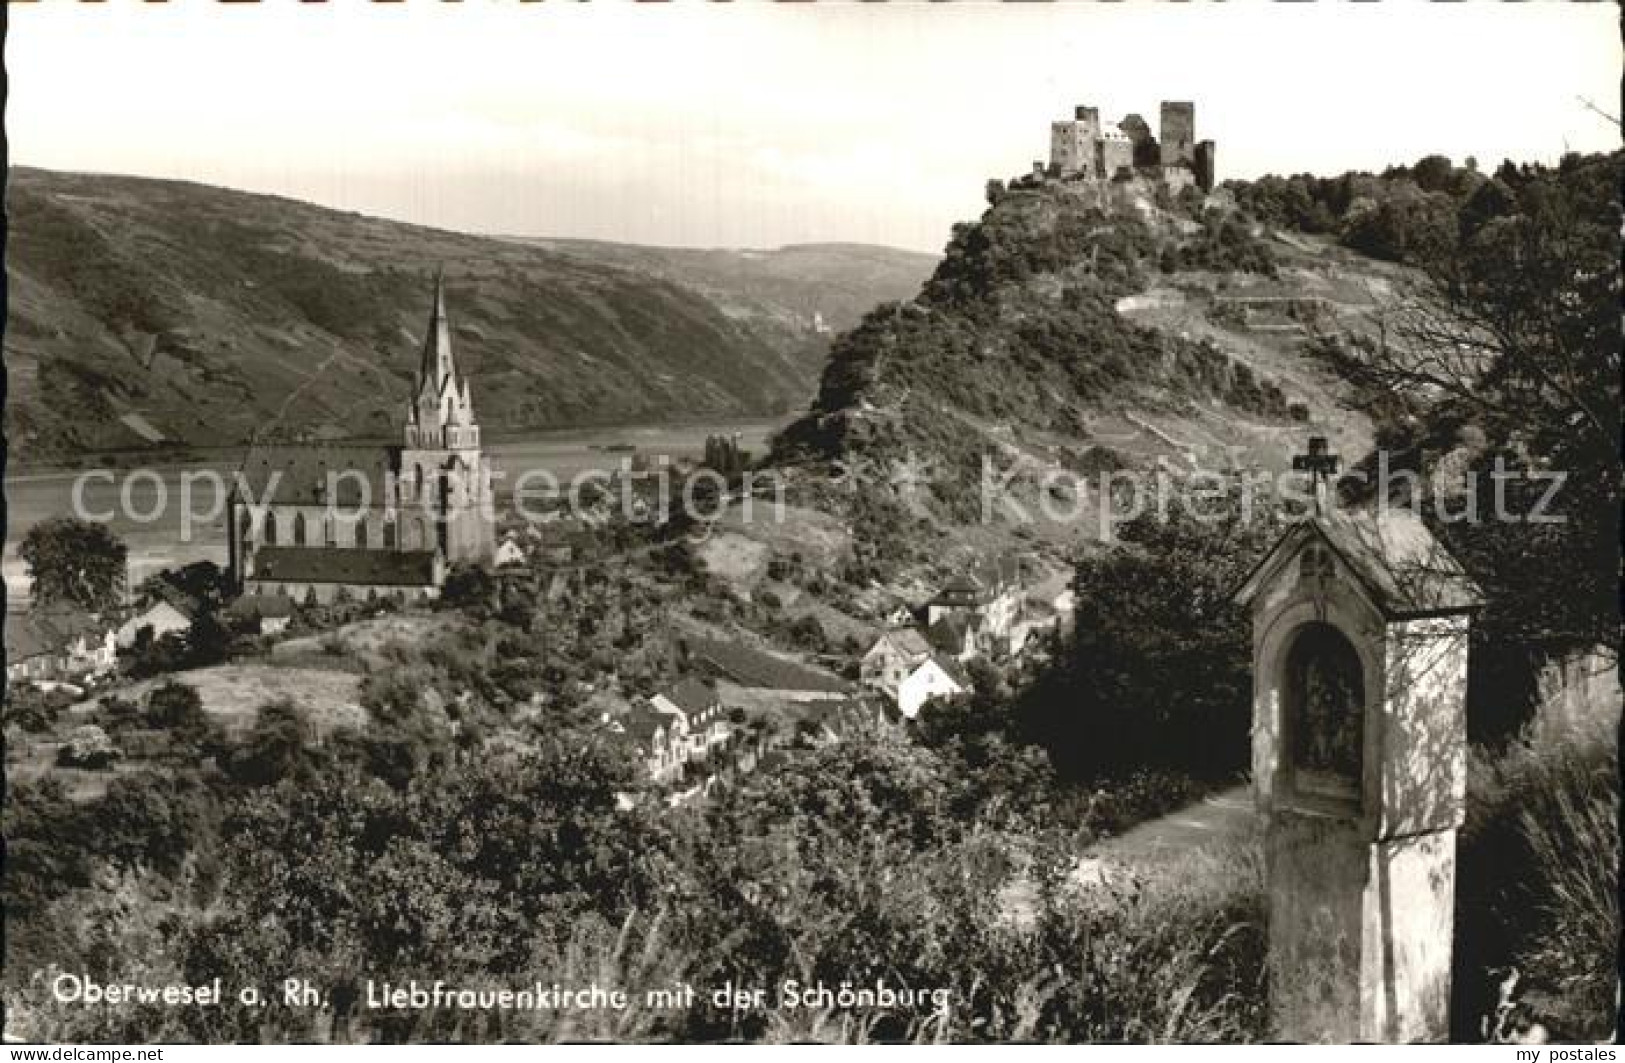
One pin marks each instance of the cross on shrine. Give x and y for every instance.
(1320, 464)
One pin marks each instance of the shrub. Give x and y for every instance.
(1538, 879)
(89, 747)
(176, 706)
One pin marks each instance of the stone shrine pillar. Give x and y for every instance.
(1360, 627)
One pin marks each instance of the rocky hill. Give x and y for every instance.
(1082, 329)
(150, 313)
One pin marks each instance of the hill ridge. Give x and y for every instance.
(159, 311)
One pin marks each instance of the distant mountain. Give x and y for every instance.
(146, 312)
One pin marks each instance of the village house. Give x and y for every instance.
(58, 643)
(262, 614)
(658, 740)
(984, 601)
(893, 656)
(169, 612)
(509, 552)
(680, 726)
(935, 677)
(904, 668)
(955, 636)
(700, 709)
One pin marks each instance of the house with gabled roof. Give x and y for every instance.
(986, 598)
(938, 676)
(58, 642)
(169, 612)
(264, 614)
(891, 658)
(658, 739)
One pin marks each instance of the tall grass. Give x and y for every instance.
(1538, 888)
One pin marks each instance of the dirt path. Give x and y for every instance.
(1217, 818)
(1211, 823)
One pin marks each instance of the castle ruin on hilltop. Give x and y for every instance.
(1082, 149)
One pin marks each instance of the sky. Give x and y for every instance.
(750, 124)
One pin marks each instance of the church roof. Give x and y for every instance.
(315, 564)
(302, 471)
(1403, 568)
(261, 606)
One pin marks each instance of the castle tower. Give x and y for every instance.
(1072, 150)
(1205, 165)
(1089, 119)
(1178, 133)
(444, 477)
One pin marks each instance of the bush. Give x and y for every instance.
(1538, 881)
(176, 706)
(33, 709)
(90, 748)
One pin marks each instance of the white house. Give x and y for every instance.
(509, 553)
(934, 677)
(892, 657)
(162, 616)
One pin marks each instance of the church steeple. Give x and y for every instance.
(442, 414)
(437, 365)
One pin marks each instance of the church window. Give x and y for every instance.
(270, 528)
(299, 531)
(389, 535)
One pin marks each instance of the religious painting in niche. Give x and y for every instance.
(1325, 703)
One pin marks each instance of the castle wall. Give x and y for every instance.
(1116, 153)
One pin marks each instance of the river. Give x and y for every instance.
(158, 535)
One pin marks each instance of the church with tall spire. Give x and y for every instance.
(319, 522)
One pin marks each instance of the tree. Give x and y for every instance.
(468, 586)
(276, 745)
(75, 561)
(176, 707)
(1515, 341)
(1157, 673)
